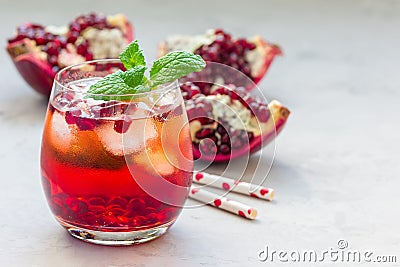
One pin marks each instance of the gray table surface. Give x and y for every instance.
(336, 170)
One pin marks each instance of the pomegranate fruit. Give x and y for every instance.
(251, 56)
(228, 122)
(38, 52)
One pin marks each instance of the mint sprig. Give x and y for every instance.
(175, 65)
(110, 87)
(134, 76)
(166, 69)
(132, 56)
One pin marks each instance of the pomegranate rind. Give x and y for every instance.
(36, 71)
(267, 52)
(270, 129)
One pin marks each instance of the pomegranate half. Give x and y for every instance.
(251, 56)
(228, 122)
(38, 52)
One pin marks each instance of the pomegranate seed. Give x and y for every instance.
(136, 204)
(207, 146)
(205, 120)
(225, 139)
(75, 27)
(250, 135)
(162, 117)
(89, 57)
(73, 36)
(224, 149)
(262, 114)
(52, 49)
(83, 26)
(40, 41)
(97, 201)
(71, 115)
(121, 126)
(203, 133)
(119, 201)
(236, 142)
(227, 51)
(85, 124)
(68, 95)
(81, 49)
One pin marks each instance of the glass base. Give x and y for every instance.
(117, 238)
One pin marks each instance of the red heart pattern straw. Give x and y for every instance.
(228, 184)
(223, 203)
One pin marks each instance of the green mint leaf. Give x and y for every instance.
(110, 87)
(134, 76)
(132, 56)
(141, 89)
(175, 65)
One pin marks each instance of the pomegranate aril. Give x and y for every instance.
(72, 114)
(72, 37)
(97, 209)
(250, 136)
(89, 57)
(76, 206)
(40, 41)
(149, 210)
(208, 146)
(97, 201)
(52, 49)
(119, 201)
(114, 211)
(236, 142)
(82, 49)
(205, 120)
(225, 138)
(162, 117)
(136, 204)
(96, 111)
(85, 124)
(75, 27)
(224, 149)
(203, 133)
(122, 125)
(262, 114)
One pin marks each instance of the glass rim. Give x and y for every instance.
(160, 88)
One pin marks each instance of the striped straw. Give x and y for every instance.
(228, 184)
(223, 203)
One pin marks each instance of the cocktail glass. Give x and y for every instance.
(116, 169)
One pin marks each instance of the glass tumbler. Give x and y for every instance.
(116, 169)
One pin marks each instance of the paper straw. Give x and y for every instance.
(228, 184)
(223, 203)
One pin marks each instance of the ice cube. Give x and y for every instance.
(60, 132)
(154, 161)
(133, 140)
(139, 110)
(166, 100)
